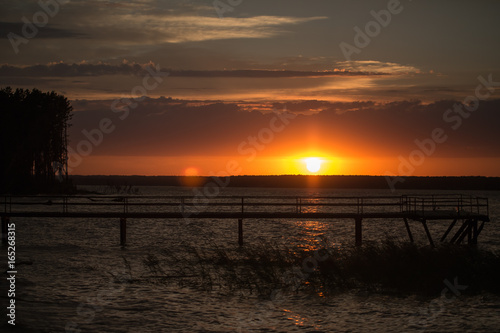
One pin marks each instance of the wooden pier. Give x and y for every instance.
(468, 212)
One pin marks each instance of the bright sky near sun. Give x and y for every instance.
(264, 87)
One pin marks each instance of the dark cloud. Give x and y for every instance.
(70, 70)
(86, 69)
(266, 73)
(315, 106)
(45, 32)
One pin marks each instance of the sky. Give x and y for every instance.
(234, 87)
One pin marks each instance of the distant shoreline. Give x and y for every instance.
(299, 181)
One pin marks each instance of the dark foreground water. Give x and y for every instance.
(76, 278)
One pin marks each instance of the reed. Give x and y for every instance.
(386, 267)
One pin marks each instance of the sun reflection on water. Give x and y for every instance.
(309, 205)
(311, 234)
(299, 320)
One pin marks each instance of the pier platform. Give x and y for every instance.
(470, 213)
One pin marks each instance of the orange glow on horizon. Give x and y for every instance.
(191, 171)
(292, 165)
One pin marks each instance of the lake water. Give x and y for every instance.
(78, 279)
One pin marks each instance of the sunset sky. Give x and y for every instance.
(256, 87)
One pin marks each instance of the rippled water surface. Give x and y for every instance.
(75, 277)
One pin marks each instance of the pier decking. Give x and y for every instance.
(469, 212)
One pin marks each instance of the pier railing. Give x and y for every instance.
(192, 205)
(461, 204)
(471, 210)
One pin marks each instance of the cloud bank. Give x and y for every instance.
(164, 126)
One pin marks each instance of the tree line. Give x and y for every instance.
(33, 140)
(299, 181)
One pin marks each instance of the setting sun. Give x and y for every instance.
(313, 164)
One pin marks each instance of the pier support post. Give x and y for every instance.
(466, 232)
(240, 232)
(454, 239)
(408, 230)
(359, 231)
(5, 223)
(431, 242)
(479, 229)
(474, 233)
(469, 233)
(123, 231)
(448, 230)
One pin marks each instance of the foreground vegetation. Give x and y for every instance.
(385, 267)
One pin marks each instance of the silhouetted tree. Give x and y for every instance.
(33, 139)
